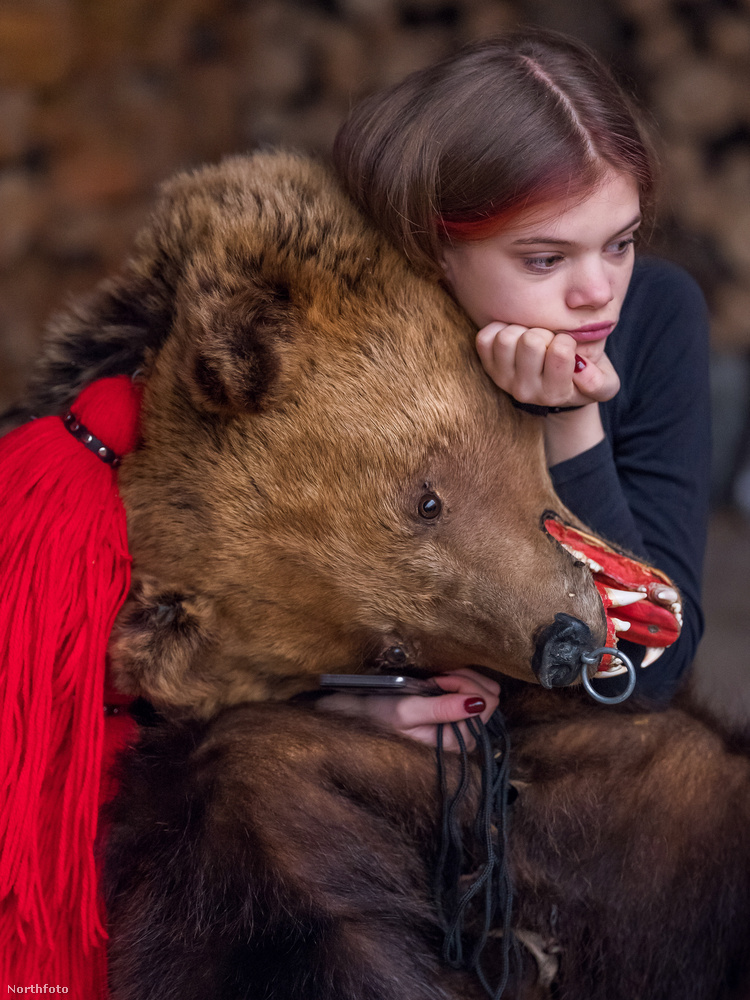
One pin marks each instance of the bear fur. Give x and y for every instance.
(304, 392)
(277, 852)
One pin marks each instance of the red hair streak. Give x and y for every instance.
(544, 199)
(470, 230)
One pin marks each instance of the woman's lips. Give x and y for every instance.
(594, 331)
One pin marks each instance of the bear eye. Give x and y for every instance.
(429, 506)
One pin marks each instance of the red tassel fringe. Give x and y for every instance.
(65, 574)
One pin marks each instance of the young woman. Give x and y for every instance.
(518, 173)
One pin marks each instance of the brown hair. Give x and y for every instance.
(456, 149)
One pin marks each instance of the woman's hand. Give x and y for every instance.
(468, 695)
(544, 368)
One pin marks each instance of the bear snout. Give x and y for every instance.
(557, 655)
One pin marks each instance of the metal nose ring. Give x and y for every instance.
(595, 657)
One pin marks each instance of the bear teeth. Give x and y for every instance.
(652, 655)
(580, 557)
(621, 598)
(617, 668)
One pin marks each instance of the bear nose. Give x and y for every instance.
(557, 657)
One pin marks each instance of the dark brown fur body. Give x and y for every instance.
(303, 390)
(279, 853)
(631, 837)
(289, 853)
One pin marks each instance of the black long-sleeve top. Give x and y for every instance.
(645, 487)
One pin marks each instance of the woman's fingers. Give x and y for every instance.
(558, 387)
(468, 695)
(408, 712)
(530, 362)
(537, 366)
(496, 346)
(467, 681)
(441, 709)
(598, 381)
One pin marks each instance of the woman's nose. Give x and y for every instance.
(590, 288)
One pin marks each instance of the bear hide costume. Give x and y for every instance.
(326, 481)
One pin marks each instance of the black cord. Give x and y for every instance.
(451, 857)
(491, 884)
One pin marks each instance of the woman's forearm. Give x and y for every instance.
(569, 434)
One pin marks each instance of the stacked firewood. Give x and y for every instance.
(100, 101)
(693, 61)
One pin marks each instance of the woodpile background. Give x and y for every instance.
(101, 99)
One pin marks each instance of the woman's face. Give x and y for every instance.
(565, 269)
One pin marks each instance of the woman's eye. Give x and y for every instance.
(541, 264)
(621, 247)
(430, 506)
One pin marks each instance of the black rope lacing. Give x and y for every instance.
(490, 888)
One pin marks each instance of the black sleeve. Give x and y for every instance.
(646, 486)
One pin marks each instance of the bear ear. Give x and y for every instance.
(241, 349)
(159, 640)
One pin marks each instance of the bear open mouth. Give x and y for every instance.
(641, 603)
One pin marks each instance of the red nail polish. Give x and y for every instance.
(474, 706)
(580, 363)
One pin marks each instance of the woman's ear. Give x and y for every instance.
(446, 264)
